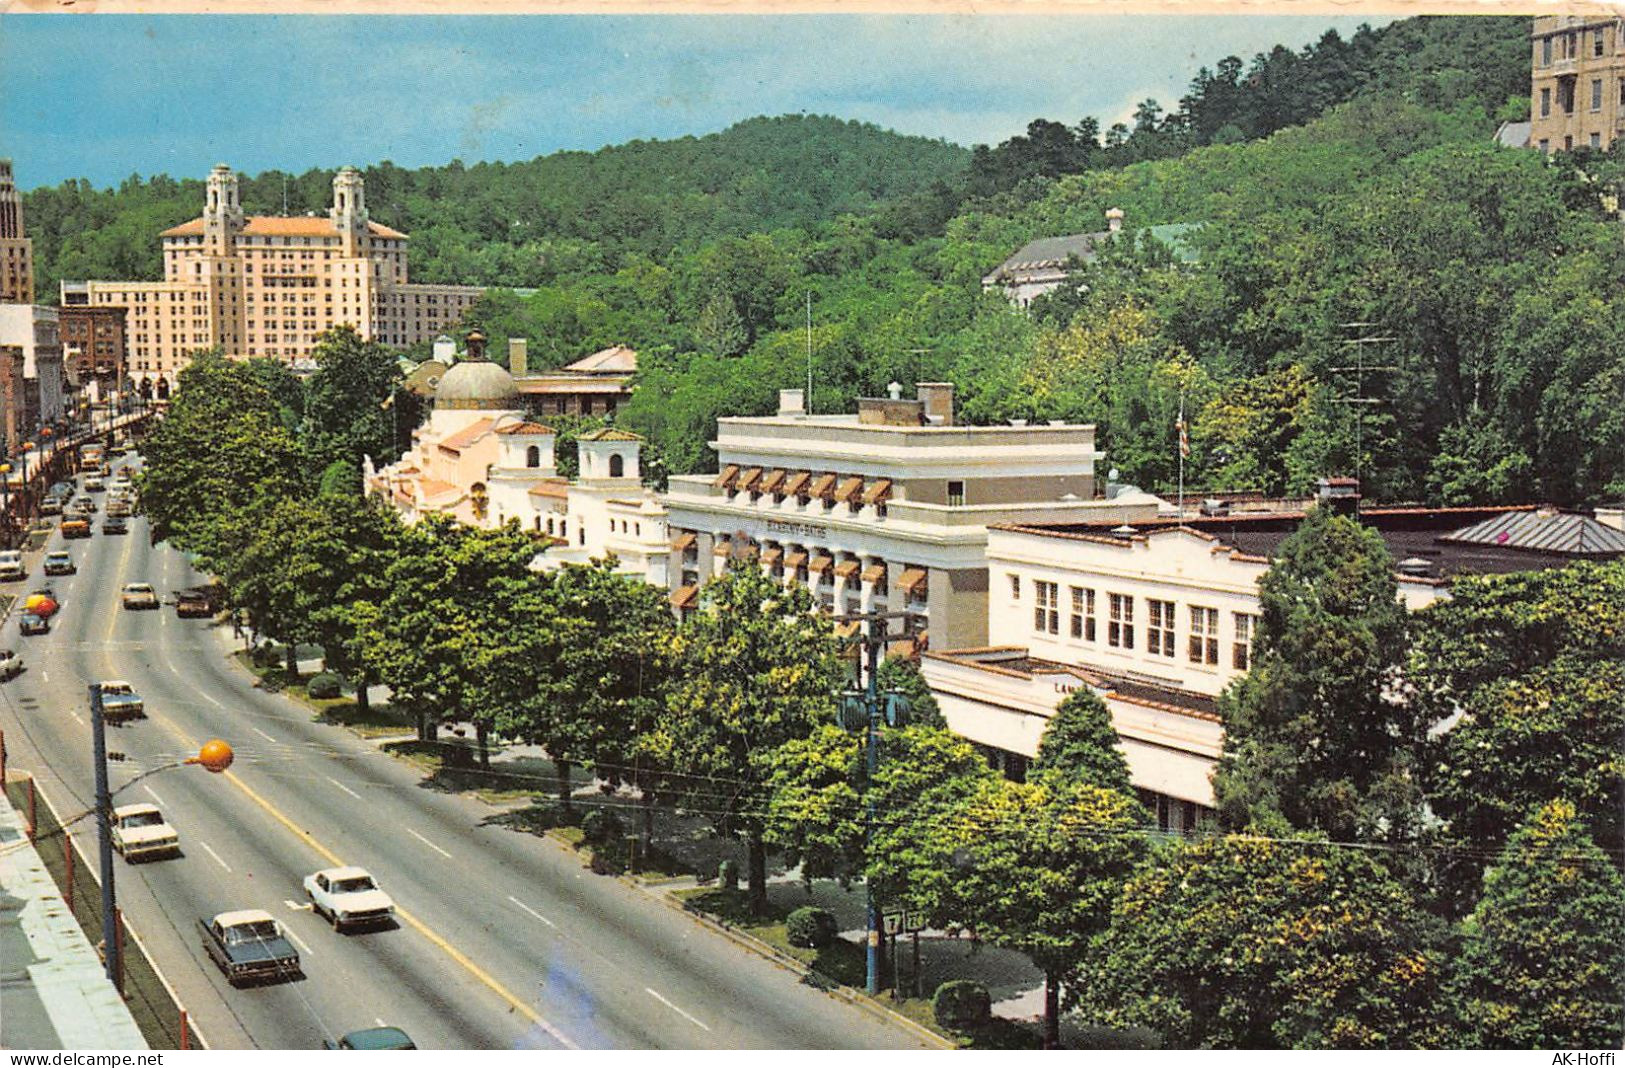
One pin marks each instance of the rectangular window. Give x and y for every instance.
(1596, 94)
(1545, 102)
(1242, 650)
(1596, 44)
(1596, 140)
(1204, 640)
(1015, 587)
(1545, 146)
(1120, 628)
(1545, 51)
(956, 493)
(1160, 627)
(1046, 610)
(1083, 614)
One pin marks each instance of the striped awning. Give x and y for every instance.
(821, 563)
(794, 484)
(849, 489)
(683, 543)
(823, 486)
(685, 596)
(771, 556)
(795, 560)
(726, 478)
(774, 479)
(878, 493)
(874, 573)
(846, 568)
(911, 578)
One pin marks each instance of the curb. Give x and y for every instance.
(852, 997)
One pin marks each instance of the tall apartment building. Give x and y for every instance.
(16, 250)
(1577, 85)
(271, 285)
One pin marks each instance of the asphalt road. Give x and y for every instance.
(504, 941)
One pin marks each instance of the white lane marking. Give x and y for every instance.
(343, 787)
(532, 911)
(153, 792)
(45, 676)
(379, 1020)
(212, 701)
(296, 906)
(428, 843)
(656, 995)
(77, 718)
(300, 942)
(262, 734)
(215, 855)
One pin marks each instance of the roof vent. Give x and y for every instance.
(1125, 530)
(1416, 567)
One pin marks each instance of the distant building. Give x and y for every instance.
(1577, 82)
(887, 508)
(1042, 265)
(1159, 617)
(270, 285)
(93, 345)
(16, 249)
(595, 385)
(31, 347)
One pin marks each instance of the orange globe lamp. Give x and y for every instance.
(40, 605)
(216, 756)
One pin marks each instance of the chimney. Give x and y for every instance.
(792, 402)
(474, 345)
(938, 398)
(1114, 219)
(518, 357)
(1340, 493)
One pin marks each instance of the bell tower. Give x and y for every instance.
(349, 211)
(222, 213)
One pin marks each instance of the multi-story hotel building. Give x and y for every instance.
(1577, 87)
(16, 250)
(93, 345)
(1158, 618)
(270, 285)
(885, 509)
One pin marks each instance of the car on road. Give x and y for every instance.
(119, 506)
(115, 524)
(51, 505)
(193, 604)
(120, 702)
(138, 595)
(11, 665)
(95, 483)
(248, 944)
(59, 563)
(372, 1038)
(85, 504)
(348, 897)
(63, 490)
(32, 624)
(140, 831)
(11, 565)
(75, 525)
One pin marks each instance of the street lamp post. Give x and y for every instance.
(5, 499)
(215, 755)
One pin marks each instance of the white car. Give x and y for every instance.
(141, 831)
(11, 665)
(348, 897)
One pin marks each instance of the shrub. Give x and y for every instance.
(274, 680)
(600, 825)
(611, 857)
(810, 927)
(325, 685)
(728, 875)
(962, 1005)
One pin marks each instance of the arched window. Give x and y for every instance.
(533, 456)
(616, 465)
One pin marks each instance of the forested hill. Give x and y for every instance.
(524, 224)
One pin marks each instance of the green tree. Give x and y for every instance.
(756, 667)
(1476, 465)
(903, 676)
(1312, 733)
(1251, 943)
(345, 414)
(719, 330)
(1080, 743)
(1542, 963)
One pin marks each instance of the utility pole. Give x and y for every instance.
(807, 403)
(1359, 398)
(104, 835)
(863, 710)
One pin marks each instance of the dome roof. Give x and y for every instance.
(478, 385)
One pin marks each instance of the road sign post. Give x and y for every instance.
(104, 835)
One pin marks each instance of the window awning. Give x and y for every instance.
(820, 564)
(823, 486)
(874, 573)
(771, 556)
(849, 489)
(847, 630)
(748, 552)
(910, 579)
(795, 560)
(846, 568)
(683, 543)
(879, 492)
(793, 485)
(723, 547)
(748, 480)
(685, 597)
(725, 479)
(903, 650)
(774, 479)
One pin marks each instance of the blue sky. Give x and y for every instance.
(104, 96)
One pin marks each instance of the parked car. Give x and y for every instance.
(120, 702)
(75, 525)
(140, 831)
(115, 524)
(11, 565)
(348, 897)
(138, 595)
(11, 665)
(193, 604)
(59, 562)
(32, 624)
(372, 1038)
(249, 944)
(51, 505)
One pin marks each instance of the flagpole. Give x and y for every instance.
(1182, 448)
